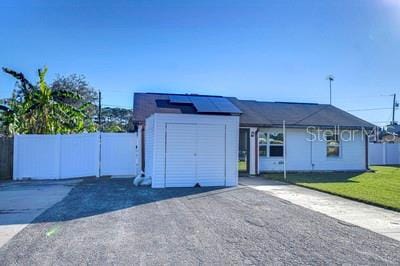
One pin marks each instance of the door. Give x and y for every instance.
(244, 150)
(180, 155)
(195, 153)
(118, 154)
(210, 155)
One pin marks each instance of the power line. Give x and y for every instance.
(118, 106)
(118, 91)
(388, 121)
(369, 109)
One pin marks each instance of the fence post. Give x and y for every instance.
(98, 136)
(15, 160)
(59, 151)
(384, 153)
(398, 152)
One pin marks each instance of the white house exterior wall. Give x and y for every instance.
(304, 155)
(155, 145)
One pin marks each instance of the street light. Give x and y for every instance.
(331, 78)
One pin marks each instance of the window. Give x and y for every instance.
(271, 144)
(332, 146)
(275, 144)
(262, 147)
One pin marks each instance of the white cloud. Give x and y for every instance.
(391, 3)
(393, 7)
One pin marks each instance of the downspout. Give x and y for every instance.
(366, 152)
(142, 149)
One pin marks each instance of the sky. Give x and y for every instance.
(259, 50)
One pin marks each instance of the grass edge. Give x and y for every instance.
(341, 195)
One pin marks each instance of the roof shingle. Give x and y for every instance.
(256, 113)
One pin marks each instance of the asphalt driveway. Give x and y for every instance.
(111, 222)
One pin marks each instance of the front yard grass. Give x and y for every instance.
(381, 187)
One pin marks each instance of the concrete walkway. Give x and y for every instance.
(22, 202)
(376, 219)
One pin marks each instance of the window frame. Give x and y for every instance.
(268, 144)
(335, 138)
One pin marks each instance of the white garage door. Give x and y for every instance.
(180, 167)
(210, 159)
(195, 153)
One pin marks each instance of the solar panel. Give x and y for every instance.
(224, 105)
(179, 99)
(204, 105)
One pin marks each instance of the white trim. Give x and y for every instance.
(252, 150)
(284, 149)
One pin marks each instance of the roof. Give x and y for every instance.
(256, 113)
(393, 128)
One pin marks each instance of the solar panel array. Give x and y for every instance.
(225, 105)
(179, 99)
(206, 104)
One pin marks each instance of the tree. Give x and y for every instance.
(116, 119)
(77, 84)
(38, 109)
(11, 109)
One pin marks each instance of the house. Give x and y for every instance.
(207, 140)
(391, 134)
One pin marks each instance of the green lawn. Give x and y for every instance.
(242, 166)
(381, 188)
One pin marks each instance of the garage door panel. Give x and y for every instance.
(211, 155)
(180, 160)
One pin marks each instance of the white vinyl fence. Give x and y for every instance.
(75, 155)
(383, 153)
(118, 154)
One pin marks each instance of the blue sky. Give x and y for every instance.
(262, 50)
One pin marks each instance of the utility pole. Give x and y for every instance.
(331, 78)
(99, 112)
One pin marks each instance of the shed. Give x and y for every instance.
(182, 150)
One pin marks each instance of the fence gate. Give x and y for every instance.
(74, 155)
(118, 152)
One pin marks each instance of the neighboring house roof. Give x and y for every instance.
(255, 113)
(390, 138)
(393, 128)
